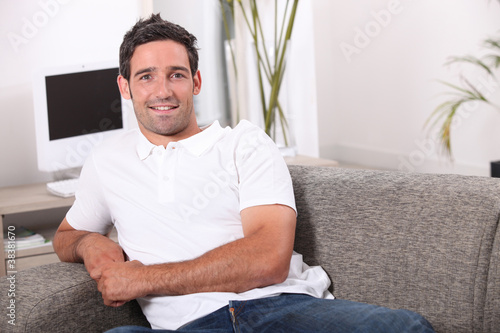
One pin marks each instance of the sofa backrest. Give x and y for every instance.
(427, 243)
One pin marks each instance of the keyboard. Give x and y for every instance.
(63, 188)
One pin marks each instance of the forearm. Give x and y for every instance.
(259, 259)
(66, 245)
(93, 249)
(235, 267)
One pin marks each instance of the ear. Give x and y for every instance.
(197, 83)
(124, 87)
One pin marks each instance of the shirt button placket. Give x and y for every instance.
(166, 173)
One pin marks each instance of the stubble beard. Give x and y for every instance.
(165, 125)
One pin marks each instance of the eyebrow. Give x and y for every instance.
(155, 69)
(145, 70)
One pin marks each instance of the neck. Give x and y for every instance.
(164, 140)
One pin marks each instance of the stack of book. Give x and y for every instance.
(26, 239)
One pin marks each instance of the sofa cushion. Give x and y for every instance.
(415, 241)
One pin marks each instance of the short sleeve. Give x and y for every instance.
(90, 211)
(263, 175)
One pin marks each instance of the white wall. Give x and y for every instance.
(371, 110)
(374, 101)
(48, 33)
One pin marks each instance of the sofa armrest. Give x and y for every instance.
(60, 297)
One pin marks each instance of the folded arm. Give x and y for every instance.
(90, 248)
(260, 258)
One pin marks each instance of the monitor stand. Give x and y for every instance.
(66, 174)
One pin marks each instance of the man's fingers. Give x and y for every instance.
(115, 281)
(96, 274)
(116, 304)
(108, 301)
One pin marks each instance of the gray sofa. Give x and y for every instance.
(428, 243)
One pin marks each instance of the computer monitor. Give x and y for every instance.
(76, 108)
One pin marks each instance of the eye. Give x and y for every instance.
(177, 75)
(146, 77)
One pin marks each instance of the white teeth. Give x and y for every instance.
(163, 108)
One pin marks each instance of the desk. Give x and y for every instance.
(307, 160)
(29, 198)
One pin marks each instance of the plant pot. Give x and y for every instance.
(495, 169)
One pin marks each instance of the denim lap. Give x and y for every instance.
(302, 313)
(290, 313)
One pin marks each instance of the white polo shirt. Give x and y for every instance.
(176, 203)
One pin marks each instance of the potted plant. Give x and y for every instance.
(466, 93)
(270, 59)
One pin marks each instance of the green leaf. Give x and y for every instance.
(471, 60)
(269, 72)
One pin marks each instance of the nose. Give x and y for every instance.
(163, 88)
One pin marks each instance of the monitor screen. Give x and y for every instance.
(76, 107)
(83, 102)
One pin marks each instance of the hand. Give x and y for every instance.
(120, 282)
(98, 250)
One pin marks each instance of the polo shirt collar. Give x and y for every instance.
(201, 142)
(196, 144)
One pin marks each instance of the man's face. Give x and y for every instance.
(161, 87)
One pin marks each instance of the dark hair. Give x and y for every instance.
(156, 29)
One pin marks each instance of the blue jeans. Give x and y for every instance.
(300, 313)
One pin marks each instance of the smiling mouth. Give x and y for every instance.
(163, 108)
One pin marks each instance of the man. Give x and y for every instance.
(205, 217)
